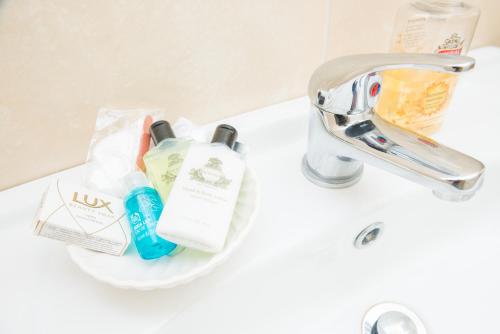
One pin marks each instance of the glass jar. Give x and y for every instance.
(417, 99)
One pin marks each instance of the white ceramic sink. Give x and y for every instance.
(438, 258)
(298, 271)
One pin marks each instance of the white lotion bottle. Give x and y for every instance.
(200, 207)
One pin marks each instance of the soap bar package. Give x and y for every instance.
(83, 217)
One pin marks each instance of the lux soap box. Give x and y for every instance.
(83, 217)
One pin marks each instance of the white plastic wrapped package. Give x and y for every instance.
(114, 148)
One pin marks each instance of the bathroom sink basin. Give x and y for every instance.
(302, 272)
(437, 258)
(299, 270)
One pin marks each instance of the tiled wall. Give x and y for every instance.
(62, 60)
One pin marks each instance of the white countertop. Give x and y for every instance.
(44, 292)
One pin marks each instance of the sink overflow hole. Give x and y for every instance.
(368, 235)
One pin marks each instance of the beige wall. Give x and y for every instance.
(62, 60)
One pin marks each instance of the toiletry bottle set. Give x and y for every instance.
(201, 204)
(416, 99)
(196, 186)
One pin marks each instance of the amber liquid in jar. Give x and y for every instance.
(417, 99)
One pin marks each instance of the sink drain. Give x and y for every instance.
(368, 235)
(391, 318)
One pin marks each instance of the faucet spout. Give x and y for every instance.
(344, 131)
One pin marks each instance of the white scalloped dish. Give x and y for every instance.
(131, 272)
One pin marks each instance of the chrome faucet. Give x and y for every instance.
(344, 130)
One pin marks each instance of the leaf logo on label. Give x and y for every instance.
(211, 173)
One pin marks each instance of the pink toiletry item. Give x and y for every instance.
(144, 142)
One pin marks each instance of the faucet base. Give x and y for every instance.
(330, 182)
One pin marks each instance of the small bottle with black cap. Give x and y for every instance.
(200, 206)
(165, 159)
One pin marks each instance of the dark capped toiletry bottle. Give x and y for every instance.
(165, 159)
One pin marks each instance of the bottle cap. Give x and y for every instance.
(225, 134)
(135, 179)
(240, 148)
(160, 130)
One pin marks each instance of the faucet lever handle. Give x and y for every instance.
(346, 85)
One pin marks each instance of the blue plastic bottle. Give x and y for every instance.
(143, 207)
